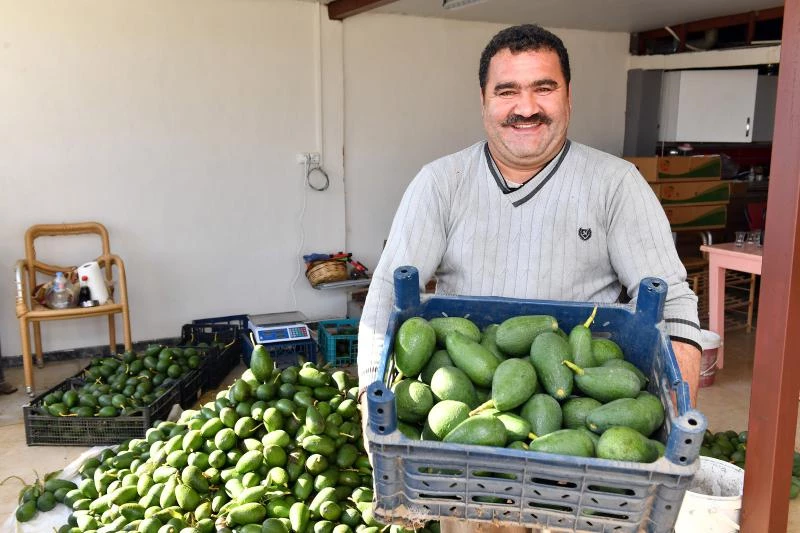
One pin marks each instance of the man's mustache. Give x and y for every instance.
(536, 118)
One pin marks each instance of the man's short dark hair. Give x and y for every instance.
(523, 38)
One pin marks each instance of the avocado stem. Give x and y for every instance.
(482, 407)
(575, 368)
(398, 378)
(591, 318)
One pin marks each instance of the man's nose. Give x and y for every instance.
(527, 104)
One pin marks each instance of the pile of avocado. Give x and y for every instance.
(731, 446)
(278, 451)
(119, 385)
(41, 495)
(523, 384)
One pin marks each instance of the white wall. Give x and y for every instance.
(175, 123)
(412, 95)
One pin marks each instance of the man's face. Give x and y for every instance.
(526, 109)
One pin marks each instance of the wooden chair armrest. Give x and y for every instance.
(23, 291)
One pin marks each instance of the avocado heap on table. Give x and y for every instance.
(118, 385)
(523, 384)
(278, 451)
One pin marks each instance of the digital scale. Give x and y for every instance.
(271, 328)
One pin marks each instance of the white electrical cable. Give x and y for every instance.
(299, 252)
(675, 35)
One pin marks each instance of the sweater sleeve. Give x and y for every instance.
(417, 238)
(641, 245)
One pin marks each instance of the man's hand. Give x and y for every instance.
(689, 362)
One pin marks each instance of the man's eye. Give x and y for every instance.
(505, 94)
(544, 90)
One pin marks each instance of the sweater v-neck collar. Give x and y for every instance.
(532, 185)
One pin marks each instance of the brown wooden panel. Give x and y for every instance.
(749, 18)
(341, 9)
(776, 369)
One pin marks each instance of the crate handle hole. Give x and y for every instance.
(682, 459)
(668, 507)
(379, 392)
(381, 428)
(452, 497)
(380, 410)
(385, 477)
(612, 490)
(555, 483)
(692, 422)
(688, 441)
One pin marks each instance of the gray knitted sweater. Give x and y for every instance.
(587, 228)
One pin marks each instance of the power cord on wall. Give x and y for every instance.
(310, 166)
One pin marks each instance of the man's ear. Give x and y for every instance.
(569, 95)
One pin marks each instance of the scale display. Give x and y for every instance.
(279, 327)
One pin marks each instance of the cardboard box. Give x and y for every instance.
(656, 189)
(705, 167)
(696, 217)
(647, 167)
(654, 169)
(694, 192)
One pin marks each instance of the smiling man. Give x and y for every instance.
(529, 213)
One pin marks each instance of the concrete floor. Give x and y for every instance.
(725, 403)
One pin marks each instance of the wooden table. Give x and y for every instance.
(746, 258)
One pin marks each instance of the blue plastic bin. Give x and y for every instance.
(417, 481)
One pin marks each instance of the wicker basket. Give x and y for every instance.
(326, 271)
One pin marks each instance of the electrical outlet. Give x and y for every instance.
(314, 159)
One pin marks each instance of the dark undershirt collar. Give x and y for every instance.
(531, 186)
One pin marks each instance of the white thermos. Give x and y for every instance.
(91, 276)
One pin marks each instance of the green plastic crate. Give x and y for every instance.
(338, 341)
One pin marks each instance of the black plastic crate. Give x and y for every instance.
(48, 430)
(284, 354)
(225, 330)
(191, 384)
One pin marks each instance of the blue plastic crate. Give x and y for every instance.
(417, 481)
(337, 342)
(284, 354)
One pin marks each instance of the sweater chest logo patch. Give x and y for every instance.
(585, 233)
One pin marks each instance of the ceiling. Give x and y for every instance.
(599, 15)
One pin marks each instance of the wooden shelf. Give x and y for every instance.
(345, 284)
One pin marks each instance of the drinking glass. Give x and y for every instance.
(740, 235)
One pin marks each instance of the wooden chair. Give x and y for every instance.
(29, 311)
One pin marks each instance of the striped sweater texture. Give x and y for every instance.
(586, 228)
